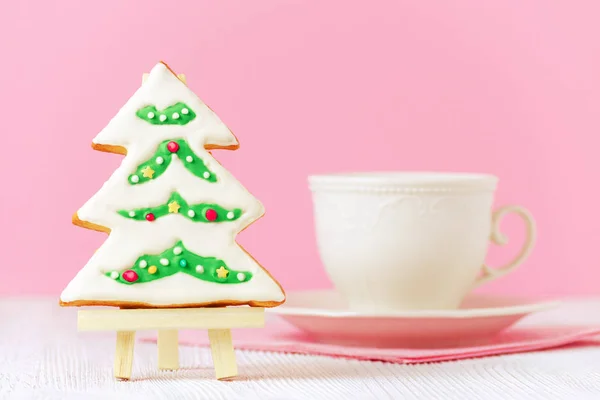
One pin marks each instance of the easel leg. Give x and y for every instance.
(124, 354)
(223, 356)
(168, 350)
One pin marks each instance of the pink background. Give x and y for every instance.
(505, 87)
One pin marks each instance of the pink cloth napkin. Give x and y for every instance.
(279, 336)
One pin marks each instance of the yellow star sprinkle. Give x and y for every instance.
(152, 269)
(174, 207)
(222, 272)
(147, 172)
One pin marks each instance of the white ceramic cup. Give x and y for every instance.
(409, 240)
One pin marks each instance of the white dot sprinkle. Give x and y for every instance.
(132, 214)
(143, 264)
(199, 269)
(135, 178)
(175, 116)
(114, 274)
(206, 174)
(160, 160)
(164, 261)
(150, 115)
(189, 159)
(185, 111)
(177, 250)
(191, 214)
(162, 117)
(230, 215)
(241, 276)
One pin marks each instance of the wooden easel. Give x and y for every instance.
(218, 321)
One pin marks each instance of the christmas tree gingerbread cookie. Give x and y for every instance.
(171, 210)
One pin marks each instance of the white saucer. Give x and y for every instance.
(326, 317)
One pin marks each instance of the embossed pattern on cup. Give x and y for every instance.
(393, 241)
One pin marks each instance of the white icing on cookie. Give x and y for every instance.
(130, 239)
(163, 89)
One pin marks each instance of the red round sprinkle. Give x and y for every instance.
(150, 217)
(173, 147)
(211, 214)
(130, 276)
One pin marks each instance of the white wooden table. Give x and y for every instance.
(43, 356)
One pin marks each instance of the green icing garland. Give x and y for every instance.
(177, 114)
(157, 165)
(149, 268)
(177, 205)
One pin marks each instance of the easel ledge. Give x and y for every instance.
(218, 322)
(140, 319)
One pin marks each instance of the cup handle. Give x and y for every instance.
(489, 274)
